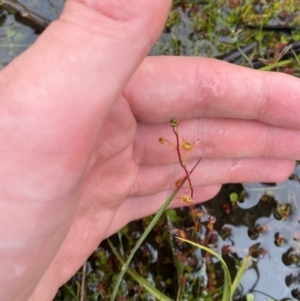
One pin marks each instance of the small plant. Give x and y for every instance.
(187, 198)
(186, 146)
(209, 240)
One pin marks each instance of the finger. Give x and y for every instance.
(155, 179)
(137, 208)
(188, 87)
(216, 138)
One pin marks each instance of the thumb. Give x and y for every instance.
(111, 36)
(94, 45)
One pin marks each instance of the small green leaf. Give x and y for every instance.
(283, 39)
(296, 35)
(10, 32)
(18, 37)
(250, 297)
(172, 215)
(234, 197)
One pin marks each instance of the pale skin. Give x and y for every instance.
(81, 112)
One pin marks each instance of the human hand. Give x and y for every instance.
(80, 152)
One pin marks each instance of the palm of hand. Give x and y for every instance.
(111, 178)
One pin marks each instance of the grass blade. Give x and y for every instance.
(143, 282)
(239, 275)
(227, 279)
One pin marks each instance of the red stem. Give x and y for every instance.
(181, 162)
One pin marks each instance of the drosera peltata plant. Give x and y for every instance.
(228, 289)
(185, 146)
(174, 124)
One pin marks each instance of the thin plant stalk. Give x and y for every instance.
(83, 277)
(183, 165)
(276, 65)
(296, 56)
(143, 282)
(146, 232)
(239, 275)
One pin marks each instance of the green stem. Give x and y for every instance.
(143, 282)
(146, 232)
(276, 65)
(238, 277)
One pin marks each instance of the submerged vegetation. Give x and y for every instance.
(245, 243)
(256, 34)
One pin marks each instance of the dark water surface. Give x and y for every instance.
(17, 34)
